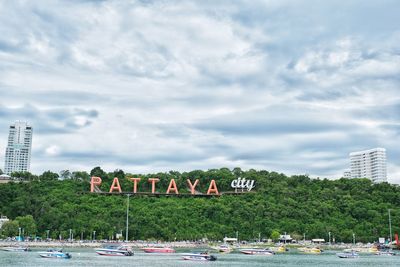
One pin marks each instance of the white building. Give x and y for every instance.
(18, 151)
(347, 174)
(369, 164)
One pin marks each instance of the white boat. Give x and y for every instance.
(348, 255)
(385, 253)
(16, 249)
(55, 253)
(199, 257)
(115, 250)
(257, 251)
(224, 248)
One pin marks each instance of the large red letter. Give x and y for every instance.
(212, 189)
(172, 187)
(153, 182)
(135, 183)
(94, 181)
(192, 186)
(115, 185)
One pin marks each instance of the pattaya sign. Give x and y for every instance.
(239, 183)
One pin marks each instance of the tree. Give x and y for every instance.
(27, 223)
(48, 176)
(1, 172)
(80, 176)
(275, 235)
(65, 174)
(10, 228)
(97, 171)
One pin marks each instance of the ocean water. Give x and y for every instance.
(87, 257)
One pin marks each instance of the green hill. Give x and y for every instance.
(295, 205)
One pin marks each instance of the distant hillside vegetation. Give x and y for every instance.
(295, 205)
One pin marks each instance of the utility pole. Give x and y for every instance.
(127, 219)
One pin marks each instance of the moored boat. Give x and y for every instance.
(224, 248)
(279, 249)
(55, 253)
(15, 249)
(348, 255)
(385, 253)
(115, 250)
(257, 251)
(199, 257)
(159, 250)
(308, 250)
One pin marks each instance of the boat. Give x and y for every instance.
(224, 248)
(385, 253)
(158, 250)
(16, 249)
(279, 249)
(115, 250)
(204, 256)
(348, 255)
(308, 250)
(257, 251)
(55, 253)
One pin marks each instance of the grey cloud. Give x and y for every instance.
(49, 121)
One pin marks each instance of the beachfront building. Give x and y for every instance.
(369, 164)
(18, 151)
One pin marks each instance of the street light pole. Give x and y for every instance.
(329, 238)
(127, 219)
(390, 228)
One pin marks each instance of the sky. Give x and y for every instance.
(154, 86)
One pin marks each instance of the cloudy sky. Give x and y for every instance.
(148, 86)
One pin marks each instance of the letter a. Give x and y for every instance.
(212, 189)
(115, 186)
(192, 186)
(172, 187)
(94, 181)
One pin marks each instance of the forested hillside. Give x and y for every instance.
(295, 205)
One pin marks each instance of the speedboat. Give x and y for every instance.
(159, 250)
(224, 248)
(257, 251)
(310, 250)
(348, 255)
(385, 253)
(55, 253)
(279, 249)
(199, 257)
(16, 249)
(115, 250)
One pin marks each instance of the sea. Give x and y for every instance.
(87, 257)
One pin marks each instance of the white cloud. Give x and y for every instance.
(183, 85)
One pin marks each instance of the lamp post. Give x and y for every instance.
(390, 229)
(127, 219)
(70, 235)
(329, 233)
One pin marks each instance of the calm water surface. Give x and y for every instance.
(87, 257)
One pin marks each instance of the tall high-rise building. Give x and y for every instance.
(18, 151)
(369, 164)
